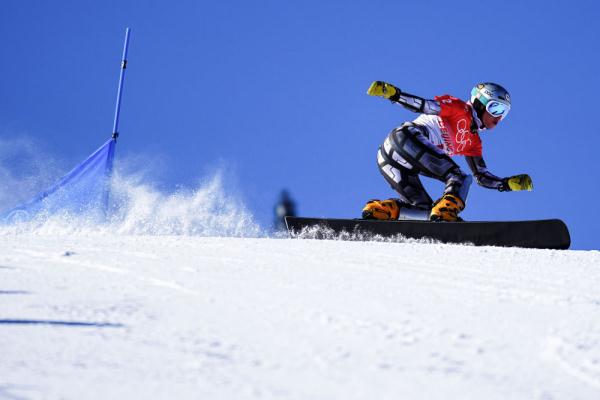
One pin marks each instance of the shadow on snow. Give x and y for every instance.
(59, 323)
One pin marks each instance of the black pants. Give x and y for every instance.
(406, 154)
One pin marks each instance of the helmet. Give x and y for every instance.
(491, 97)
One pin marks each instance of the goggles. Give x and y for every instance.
(497, 108)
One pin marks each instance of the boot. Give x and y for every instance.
(384, 210)
(447, 209)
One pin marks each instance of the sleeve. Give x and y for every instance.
(417, 104)
(483, 177)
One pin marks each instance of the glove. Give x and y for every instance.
(385, 90)
(518, 182)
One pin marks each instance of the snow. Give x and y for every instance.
(105, 314)
(183, 295)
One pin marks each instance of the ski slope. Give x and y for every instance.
(96, 315)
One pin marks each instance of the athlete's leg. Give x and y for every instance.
(413, 201)
(403, 179)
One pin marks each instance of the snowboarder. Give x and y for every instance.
(446, 127)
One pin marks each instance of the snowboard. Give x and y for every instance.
(537, 234)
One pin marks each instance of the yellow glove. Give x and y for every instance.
(382, 89)
(520, 182)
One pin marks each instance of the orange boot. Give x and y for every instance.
(447, 209)
(385, 210)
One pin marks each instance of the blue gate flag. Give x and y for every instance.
(82, 192)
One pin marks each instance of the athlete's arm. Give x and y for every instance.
(409, 101)
(418, 104)
(483, 177)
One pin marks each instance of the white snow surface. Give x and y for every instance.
(107, 315)
(184, 296)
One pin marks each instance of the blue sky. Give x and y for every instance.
(274, 93)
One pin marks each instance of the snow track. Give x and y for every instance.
(95, 316)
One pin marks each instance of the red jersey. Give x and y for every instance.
(459, 133)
